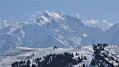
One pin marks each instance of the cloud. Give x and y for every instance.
(35, 15)
(78, 15)
(102, 24)
(3, 23)
(107, 23)
(92, 21)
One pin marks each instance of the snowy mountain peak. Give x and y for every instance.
(50, 29)
(48, 17)
(52, 14)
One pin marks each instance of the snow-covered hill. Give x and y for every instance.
(23, 53)
(47, 30)
(110, 54)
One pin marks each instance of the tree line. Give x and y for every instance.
(51, 60)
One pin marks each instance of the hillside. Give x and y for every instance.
(107, 54)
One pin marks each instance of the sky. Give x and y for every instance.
(101, 13)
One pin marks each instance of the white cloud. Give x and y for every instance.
(78, 15)
(92, 21)
(3, 23)
(107, 23)
(102, 24)
(35, 15)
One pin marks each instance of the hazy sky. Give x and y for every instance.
(89, 10)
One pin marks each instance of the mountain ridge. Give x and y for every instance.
(47, 30)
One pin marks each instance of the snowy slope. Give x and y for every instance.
(23, 53)
(47, 30)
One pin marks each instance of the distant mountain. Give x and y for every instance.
(111, 36)
(53, 29)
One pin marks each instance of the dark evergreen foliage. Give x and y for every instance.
(101, 57)
(52, 60)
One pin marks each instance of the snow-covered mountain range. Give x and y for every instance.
(54, 29)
